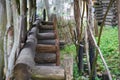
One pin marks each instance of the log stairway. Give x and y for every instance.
(48, 51)
(39, 58)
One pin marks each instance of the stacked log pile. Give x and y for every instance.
(98, 11)
(101, 8)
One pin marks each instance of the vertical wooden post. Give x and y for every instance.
(57, 41)
(47, 8)
(23, 13)
(77, 16)
(68, 67)
(2, 31)
(8, 38)
(91, 43)
(34, 10)
(17, 29)
(79, 41)
(118, 8)
(30, 2)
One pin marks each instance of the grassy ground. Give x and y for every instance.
(109, 48)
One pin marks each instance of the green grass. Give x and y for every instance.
(109, 48)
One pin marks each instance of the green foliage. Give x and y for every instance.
(109, 48)
(69, 49)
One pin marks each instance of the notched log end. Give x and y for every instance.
(22, 72)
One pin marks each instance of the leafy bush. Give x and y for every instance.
(109, 48)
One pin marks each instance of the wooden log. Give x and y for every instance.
(51, 42)
(56, 41)
(47, 22)
(46, 27)
(25, 61)
(48, 73)
(42, 58)
(45, 31)
(105, 76)
(68, 67)
(118, 8)
(62, 42)
(36, 23)
(23, 13)
(45, 36)
(45, 48)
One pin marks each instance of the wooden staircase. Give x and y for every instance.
(47, 57)
(39, 58)
(47, 50)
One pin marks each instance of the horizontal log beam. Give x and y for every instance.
(45, 31)
(48, 73)
(45, 58)
(25, 60)
(46, 48)
(51, 42)
(47, 22)
(43, 36)
(46, 27)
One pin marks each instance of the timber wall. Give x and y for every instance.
(101, 8)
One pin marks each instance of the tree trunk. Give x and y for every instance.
(77, 16)
(47, 8)
(118, 7)
(79, 49)
(23, 13)
(91, 43)
(30, 2)
(17, 29)
(8, 38)
(34, 10)
(2, 31)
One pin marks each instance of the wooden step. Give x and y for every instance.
(46, 27)
(46, 64)
(47, 22)
(48, 73)
(41, 48)
(44, 36)
(46, 31)
(42, 58)
(51, 42)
